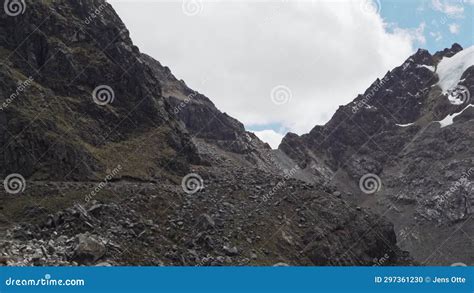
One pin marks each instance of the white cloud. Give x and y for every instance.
(325, 52)
(416, 34)
(272, 137)
(454, 28)
(450, 8)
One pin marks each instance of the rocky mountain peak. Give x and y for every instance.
(410, 129)
(421, 57)
(448, 52)
(90, 86)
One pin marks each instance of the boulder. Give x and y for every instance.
(88, 249)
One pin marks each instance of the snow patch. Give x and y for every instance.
(430, 68)
(405, 125)
(450, 69)
(448, 120)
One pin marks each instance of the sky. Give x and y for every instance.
(285, 66)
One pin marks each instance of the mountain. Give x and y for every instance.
(53, 130)
(108, 159)
(411, 136)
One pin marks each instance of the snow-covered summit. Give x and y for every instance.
(450, 69)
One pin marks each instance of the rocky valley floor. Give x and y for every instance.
(241, 216)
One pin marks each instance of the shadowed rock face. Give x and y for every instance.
(53, 129)
(249, 211)
(201, 117)
(392, 131)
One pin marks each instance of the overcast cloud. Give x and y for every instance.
(322, 53)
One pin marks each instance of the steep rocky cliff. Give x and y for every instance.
(56, 127)
(201, 117)
(412, 131)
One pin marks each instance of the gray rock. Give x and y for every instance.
(205, 222)
(88, 249)
(230, 251)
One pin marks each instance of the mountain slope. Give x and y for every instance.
(54, 130)
(413, 129)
